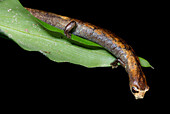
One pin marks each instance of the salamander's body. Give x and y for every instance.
(117, 46)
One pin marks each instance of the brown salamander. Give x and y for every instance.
(118, 47)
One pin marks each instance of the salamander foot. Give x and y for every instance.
(114, 64)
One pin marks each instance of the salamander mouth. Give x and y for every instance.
(140, 94)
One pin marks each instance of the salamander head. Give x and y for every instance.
(139, 87)
(138, 93)
(138, 83)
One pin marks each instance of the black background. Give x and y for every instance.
(30, 77)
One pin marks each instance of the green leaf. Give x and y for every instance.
(32, 35)
(145, 63)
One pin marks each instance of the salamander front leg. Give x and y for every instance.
(69, 27)
(115, 63)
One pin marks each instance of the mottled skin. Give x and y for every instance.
(118, 47)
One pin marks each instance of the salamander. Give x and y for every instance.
(117, 46)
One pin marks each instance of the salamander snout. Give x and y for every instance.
(138, 93)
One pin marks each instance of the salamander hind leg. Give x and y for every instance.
(69, 27)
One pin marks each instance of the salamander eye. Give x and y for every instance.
(135, 90)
